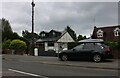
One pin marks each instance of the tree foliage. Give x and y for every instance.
(7, 32)
(6, 29)
(73, 35)
(80, 37)
(6, 44)
(18, 45)
(71, 32)
(29, 36)
(112, 45)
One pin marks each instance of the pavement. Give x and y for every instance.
(112, 64)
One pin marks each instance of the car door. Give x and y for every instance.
(71, 54)
(78, 51)
(86, 53)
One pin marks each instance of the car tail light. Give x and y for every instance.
(107, 50)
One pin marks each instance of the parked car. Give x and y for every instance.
(91, 49)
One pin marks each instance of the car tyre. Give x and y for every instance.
(97, 58)
(64, 57)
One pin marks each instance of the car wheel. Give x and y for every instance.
(97, 58)
(64, 57)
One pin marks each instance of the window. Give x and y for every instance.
(79, 47)
(89, 46)
(99, 33)
(53, 33)
(116, 31)
(50, 44)
(43, 34)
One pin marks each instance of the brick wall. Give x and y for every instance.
(8, 51)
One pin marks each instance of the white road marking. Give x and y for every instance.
(26, 73)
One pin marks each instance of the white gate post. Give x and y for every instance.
(36, 52)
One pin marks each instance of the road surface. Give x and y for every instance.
(17, 67)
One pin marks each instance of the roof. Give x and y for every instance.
(91, 41)
(54, 31)
(52, 39)
(107, 27)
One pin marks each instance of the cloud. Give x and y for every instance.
(57, 15)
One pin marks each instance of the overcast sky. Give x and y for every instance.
(57, 15)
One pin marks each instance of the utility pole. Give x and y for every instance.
(33, 5)
(32, 44)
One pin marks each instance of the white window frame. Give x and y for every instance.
(116, 32)
(53, 33)
(43, 35)
(99, 33)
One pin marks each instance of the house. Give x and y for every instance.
(108, 33)
(53, 41)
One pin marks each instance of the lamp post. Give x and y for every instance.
(32, 44)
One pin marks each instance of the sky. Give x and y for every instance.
(57, 15)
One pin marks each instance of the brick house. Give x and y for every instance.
(108, 33)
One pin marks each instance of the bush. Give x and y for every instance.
(112, 45)
(18, 45)
(6, 44)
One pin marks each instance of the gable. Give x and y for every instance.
(65, 38)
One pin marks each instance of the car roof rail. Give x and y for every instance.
(92, 41)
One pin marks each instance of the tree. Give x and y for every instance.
(71, 32)
(73, 35)
(15, 36)
(6, 29)
(6, 44)
(18, 45)
(27, 43)
(28, 37)
(26, 34)
(80, 37)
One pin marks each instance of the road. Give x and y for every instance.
(17, 67)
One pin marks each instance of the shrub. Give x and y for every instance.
(6, 44)
(18, 45)
(112, 45)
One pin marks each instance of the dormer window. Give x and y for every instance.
(116, 31)
(99, 33)
(43, 34)
(53, 33)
